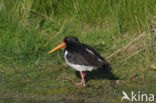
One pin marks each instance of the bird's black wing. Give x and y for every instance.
(93, 54)
(85, 55)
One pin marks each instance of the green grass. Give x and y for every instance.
(29, 29)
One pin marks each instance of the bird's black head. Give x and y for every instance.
(71, 40)
(68, 40)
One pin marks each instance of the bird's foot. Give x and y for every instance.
(81, 83)
(83, 74)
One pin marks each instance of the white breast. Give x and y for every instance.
(76, 66)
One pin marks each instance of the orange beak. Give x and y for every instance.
(56, 48)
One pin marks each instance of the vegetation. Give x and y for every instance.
(120, 30)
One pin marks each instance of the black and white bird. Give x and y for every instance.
(81, 57)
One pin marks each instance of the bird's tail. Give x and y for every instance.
(107, 67)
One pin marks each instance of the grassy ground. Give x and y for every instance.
(120, 31)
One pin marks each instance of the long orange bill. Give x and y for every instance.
(56, 48)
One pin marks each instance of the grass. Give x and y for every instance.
(28, 30)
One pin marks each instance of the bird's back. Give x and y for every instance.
(83, 54)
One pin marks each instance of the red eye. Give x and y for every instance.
(67, 39)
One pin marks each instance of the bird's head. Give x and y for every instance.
(68, 40)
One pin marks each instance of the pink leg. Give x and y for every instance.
(84, 74)
(82, 80)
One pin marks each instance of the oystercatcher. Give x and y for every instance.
(81, 57)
